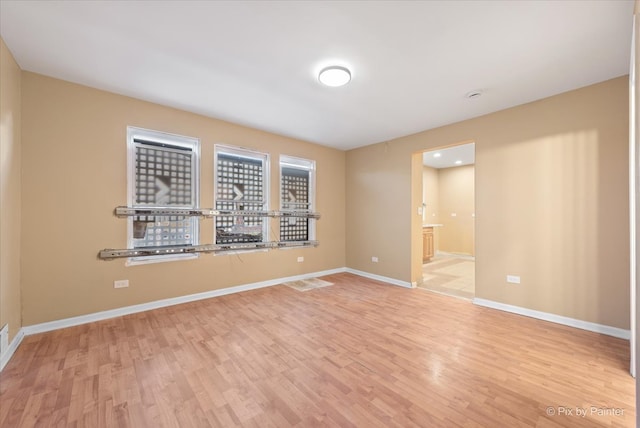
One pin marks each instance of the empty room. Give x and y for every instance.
(215, 213)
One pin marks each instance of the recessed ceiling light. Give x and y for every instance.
(458, 162)
(334, 76)
(474, 94)
(436, 155)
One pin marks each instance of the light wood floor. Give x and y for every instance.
(354, 354)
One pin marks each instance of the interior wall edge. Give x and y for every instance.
(12, 348)
(10, 192)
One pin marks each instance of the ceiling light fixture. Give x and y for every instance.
(334, 76)
(436, 155)
(458, 162)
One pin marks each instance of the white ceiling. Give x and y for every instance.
(255, 62)
(463, 154)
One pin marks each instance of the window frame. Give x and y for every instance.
(307, 165)
(168, 140)
(254, 155)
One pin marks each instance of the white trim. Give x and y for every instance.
(305, 165)
(558, 319)
(146, 260)
(99, 316)
(4, 358)
(386, 279)
(252, 155)
(175, 140)
(112, 313)
(633, 200)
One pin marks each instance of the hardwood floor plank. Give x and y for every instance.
(357, 354)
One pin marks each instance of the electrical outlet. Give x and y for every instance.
(123, 283)
(300, 259)
(374, 259)
(513, 279)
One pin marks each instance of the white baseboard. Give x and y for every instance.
(6, 356)
(99, 316)
(127, 310)
(558, 319)
(379, 278)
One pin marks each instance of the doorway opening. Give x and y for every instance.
(448, 221)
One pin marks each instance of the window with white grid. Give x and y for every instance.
(241, 184)
(297, 193)
(163, 173)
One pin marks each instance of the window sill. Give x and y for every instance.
(135, 261)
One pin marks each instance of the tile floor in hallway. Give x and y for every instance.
(450, 274)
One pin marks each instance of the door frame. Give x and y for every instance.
(416, 207)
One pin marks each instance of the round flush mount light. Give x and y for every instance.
(437, 155)
(334, 76)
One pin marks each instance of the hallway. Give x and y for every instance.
(450, 274)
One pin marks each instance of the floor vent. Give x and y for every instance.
(308, 284)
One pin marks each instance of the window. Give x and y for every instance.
(241, 184)
(163, 173)
(297, 193)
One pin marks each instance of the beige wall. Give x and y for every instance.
(10, 145)
(456, 196)
(74, 175)
(430, 196)
(551, 203)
